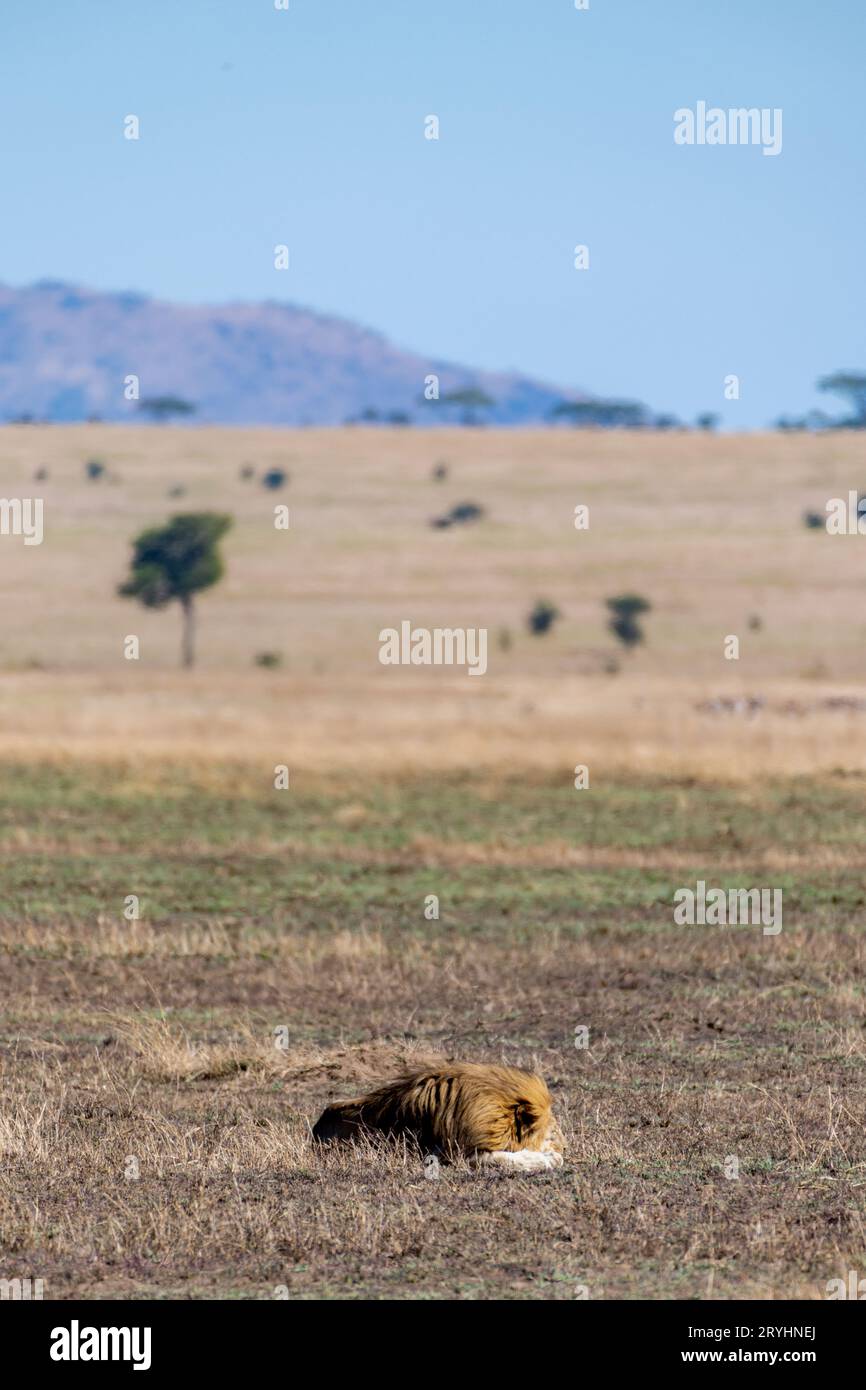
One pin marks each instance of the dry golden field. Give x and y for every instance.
(709, 529)
(154, 1142)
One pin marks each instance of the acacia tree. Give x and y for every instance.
(602, 414)
(163, 407)
(708, 420)
(469, 399)
(177, 561)
(851, 385)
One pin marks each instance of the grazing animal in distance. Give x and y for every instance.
(487, 1114)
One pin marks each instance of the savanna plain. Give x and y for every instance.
(158, 1075)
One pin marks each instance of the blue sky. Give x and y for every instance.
(306, 127)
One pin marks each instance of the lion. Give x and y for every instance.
(486, 1114)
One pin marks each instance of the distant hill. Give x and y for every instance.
(65, 351)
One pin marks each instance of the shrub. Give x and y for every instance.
(625, 610)
(459, 515)
(466, 511)
(542, 617)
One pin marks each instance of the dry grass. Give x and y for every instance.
(152, 1147)
(155, 1139)
(710, 529)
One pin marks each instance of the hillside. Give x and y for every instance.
(65, 352)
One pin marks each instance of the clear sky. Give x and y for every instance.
(306, 127)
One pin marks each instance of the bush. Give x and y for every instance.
(94, 468)
(467, 511)
(625, 610)
(459, 515)
(542, 617)
(269, 660)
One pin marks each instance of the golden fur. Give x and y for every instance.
(465, 1109)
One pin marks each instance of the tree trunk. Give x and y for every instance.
(188, 646)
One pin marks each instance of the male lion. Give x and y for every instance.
(487, 1114)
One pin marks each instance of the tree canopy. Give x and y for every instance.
(176, 561)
